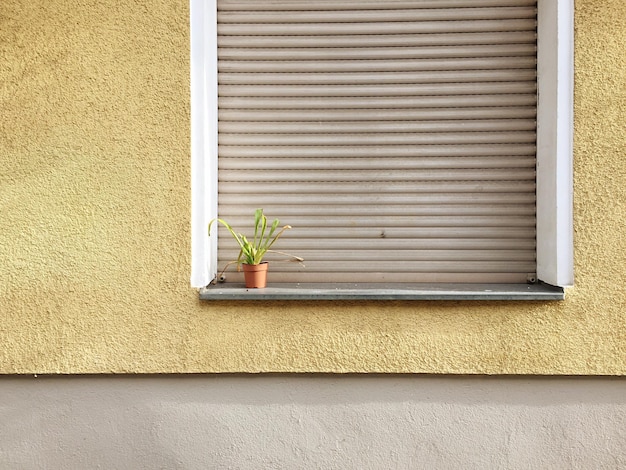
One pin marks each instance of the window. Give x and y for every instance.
(486, 151)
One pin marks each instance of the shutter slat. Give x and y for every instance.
(378, 115)
(366, 91)
(268, 201)
(305, 276)
(378, 65)
(466, 150)
(295, 5)
(364, 40)
(363, 220)
(487, 256)
(419, 27)
(351, 187)
(408, 210)
(307, 164)
(407, 53)
(381, 175)
(412, 15)
(410, 266)
(526, 196)
(333, 164)
(379, 78)
(378, 139)
(356, 127)
(375, 102)
(366, 233)
(365, 245)
(398, 138)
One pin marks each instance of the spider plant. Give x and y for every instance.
(253, 251)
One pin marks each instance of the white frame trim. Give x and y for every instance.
(555, 252)
(555, 125)
(203, 38)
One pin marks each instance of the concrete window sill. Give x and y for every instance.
(349, 291)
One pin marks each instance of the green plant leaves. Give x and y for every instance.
(252, 252)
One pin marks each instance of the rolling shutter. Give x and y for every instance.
(398, 138)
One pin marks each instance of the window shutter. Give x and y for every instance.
(398, 138)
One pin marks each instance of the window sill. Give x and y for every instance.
(351, 291)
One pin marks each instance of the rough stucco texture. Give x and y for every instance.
(94, 239)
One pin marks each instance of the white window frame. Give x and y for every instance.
(555, 252)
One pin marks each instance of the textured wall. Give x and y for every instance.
(94, 239)
(310, 422)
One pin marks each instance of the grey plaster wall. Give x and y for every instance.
(311, 422)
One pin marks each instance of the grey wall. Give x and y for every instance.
(326, 422)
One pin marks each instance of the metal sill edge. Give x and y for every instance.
(350, 291)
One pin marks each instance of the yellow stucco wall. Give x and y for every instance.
(94, 234)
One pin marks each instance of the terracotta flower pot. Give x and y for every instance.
(255, 275)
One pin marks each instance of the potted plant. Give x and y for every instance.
(252, 252)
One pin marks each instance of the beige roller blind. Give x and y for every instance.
(396, 137)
